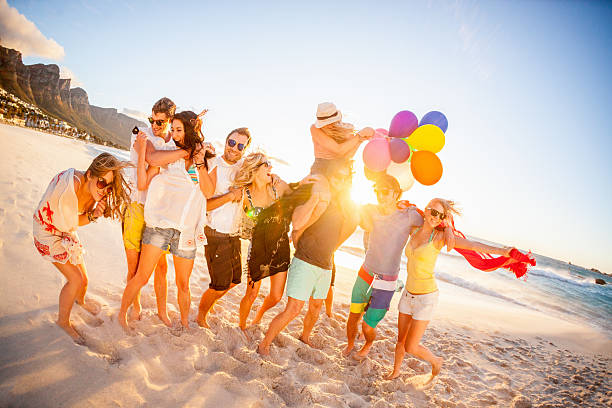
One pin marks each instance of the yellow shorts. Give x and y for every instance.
(133, 226)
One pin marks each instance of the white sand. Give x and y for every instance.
(496, 354)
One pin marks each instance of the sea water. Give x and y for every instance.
(552, 286)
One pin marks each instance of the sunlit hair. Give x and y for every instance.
(387, 181)
(165, 105)
(246, 174)
(339, 131)
(192, 125)
(118, 198)
(450, 207)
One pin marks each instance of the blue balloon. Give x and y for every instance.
(435, 118)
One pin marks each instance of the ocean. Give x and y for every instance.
(552, 286)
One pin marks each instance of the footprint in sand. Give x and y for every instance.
(421, 382)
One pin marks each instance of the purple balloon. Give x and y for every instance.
(435, 118)
(399, 149)
(403, 124)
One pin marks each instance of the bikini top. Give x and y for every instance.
(253, 211)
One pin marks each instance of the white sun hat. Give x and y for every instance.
(327, 113)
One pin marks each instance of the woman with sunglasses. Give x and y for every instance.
(174, 212)
(420, 295)
(268, 253)
(72, 199)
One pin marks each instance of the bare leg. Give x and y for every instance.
(183, 268)
(293, 308)
(132, 256)
(329, 302)
(370, 336)
(161, 289)
(412, 346)
(277, 287)
(67, 297)
(246, 303)
(352, 324)
(314, 308)
(208, 300)
(148, 258)
(89, 305)
(404, 322)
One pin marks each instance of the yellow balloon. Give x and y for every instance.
(427, 137)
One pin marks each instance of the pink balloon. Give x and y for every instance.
(376, 154)
(380, 132)
(403, 124)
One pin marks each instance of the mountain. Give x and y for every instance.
(40, 84)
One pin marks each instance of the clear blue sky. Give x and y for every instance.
(525, 85)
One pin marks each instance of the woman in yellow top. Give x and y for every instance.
(421, 292)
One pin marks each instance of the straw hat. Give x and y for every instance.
(327, 113)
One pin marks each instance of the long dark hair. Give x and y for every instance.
(193, 132)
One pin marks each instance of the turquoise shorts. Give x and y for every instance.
(305, 280)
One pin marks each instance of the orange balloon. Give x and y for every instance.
(426, 167)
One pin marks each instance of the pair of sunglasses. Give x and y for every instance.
(267, 163)
(103, 184)
(436, 213)
(157, 121)
(232, 143)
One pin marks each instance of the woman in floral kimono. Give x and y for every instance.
(76, 198)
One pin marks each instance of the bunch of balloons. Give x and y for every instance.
(407, 151)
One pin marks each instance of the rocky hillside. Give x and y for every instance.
(41, 85)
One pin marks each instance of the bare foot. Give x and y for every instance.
(202, 322)
(305, 341)
(436, 366)
(185, 323)
(70, 330)
(134, 314)
(256, 321)
(165, 319)
(264, 351)
(364, 350)
(393, 375)
(347, 350)
(91, 306)
(124, 324)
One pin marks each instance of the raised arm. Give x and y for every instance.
(346, 149)
(463, 243)
(144, 175)
(208, 181)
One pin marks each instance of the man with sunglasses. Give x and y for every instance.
(320, 226)
(133, 224)
(387, 227)
(223, 248)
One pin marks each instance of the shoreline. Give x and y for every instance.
(488, 361)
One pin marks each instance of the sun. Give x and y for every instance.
(362, 191)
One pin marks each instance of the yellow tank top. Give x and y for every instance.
(421, 262)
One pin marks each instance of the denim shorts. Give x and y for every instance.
(166, 239)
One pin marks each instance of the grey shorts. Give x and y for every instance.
(166, 239)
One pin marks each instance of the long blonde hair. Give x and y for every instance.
(450, 207)
(118, 198)
(339, 131)
(246, 174)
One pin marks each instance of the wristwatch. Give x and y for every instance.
(91, 217)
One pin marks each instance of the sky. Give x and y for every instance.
(525, 86)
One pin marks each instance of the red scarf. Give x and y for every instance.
(517, 262)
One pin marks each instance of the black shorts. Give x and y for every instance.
(223, 259)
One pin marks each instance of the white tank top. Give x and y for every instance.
(224, 219)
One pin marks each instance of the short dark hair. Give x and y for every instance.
(165, 105)
(241, 131)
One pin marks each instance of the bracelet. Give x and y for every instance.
(91, 217)
(198, 165)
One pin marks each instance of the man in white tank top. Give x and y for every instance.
(224, 214)
(133, 225)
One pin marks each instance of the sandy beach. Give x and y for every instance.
(496, 353)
